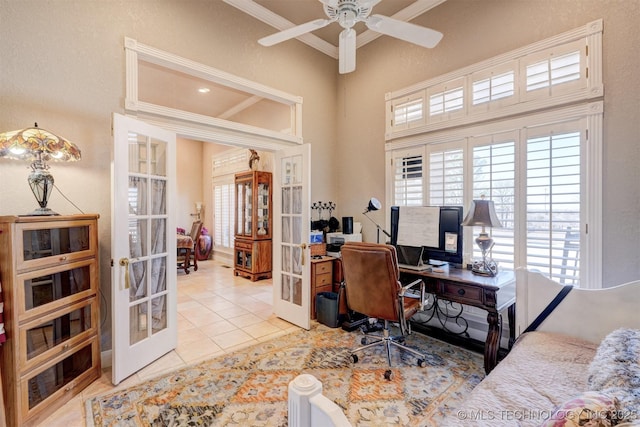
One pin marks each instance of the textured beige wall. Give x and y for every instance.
(475, 30)
(189, 182)
(62, 65)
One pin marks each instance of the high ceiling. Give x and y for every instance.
(283, 14)
(184, 92)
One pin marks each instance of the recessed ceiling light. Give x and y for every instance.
(204, 90)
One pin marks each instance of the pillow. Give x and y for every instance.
(593, 409)
(615, 370)
(617, 361)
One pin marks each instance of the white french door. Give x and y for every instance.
(292, 224)
(143, 245)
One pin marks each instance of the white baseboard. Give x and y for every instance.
(223, 257)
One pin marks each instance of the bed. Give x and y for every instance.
(571, 362)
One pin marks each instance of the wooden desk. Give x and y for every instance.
(493, 294)
(321, 279)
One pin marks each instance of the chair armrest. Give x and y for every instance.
(411, 285)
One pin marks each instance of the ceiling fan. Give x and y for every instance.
(349, 12)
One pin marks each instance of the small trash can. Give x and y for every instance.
(327, 309)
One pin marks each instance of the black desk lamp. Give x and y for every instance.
(482, 213)
(374, 205)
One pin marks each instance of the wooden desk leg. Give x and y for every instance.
(492, 343)
(512, 324)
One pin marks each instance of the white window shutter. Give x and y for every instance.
(408, 182)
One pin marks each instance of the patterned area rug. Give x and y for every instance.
(249, 387)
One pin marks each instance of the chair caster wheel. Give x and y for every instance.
(422, 363)
(388, 375)
(354, 358)
(363, 341)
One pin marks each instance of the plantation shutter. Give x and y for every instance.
(553, 202)
(493, 176)
(407, 112)
(446, 176)
(408, 178)
(224, 167)
(555, 71)
(224, 214)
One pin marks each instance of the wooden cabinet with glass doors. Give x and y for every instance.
(49, 276)
(253, 224)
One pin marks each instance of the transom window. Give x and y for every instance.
(494, 88)
(526, 79)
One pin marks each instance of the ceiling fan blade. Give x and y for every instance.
(406, 31)
(347, 50)
(293, 32)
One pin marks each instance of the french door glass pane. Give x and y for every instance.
(296, 258)
(286, 200)
(291, 221)
(158, 197)
(137, 280)
(138, 153)
(138, 322)
(158, 275)
(158, 157)
(296, 227)
(286, 229)
(159, 314)
(286, 288)
(297, 291)
(296, 202)
(158, 236)
(137, 195)
(286, 259)
(138, 238)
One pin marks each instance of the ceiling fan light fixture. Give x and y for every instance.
(348, 13)
(347, 18)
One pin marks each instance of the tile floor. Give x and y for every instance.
(217, 313)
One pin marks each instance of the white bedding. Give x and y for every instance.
(542, 371)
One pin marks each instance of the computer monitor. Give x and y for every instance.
(446, 246)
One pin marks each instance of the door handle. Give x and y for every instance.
(124, 262)
(303, 246)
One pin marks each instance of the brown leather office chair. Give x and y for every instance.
(373, 288)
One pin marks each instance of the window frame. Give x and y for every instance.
(589, 115)
(589, 87)
(578, 101)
